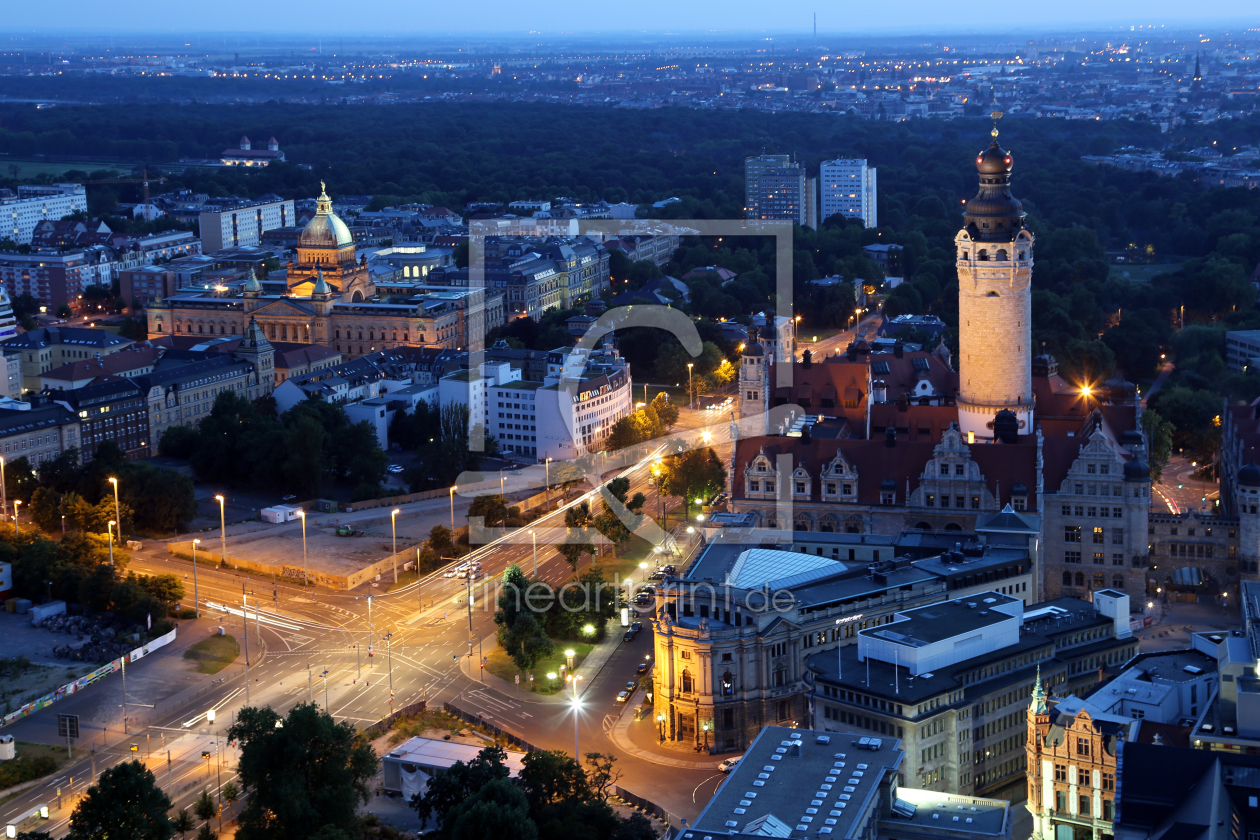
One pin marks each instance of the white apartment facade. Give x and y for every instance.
(36, 203)
(243, 225)
(583, 396)
(847, 188)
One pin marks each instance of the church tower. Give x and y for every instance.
(754, 383)
(995, 260)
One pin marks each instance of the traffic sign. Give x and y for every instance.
(68, 726)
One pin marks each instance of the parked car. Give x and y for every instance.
(643, 599)
(636, 627)
(629, 637)
(729, 764)
(642, 669)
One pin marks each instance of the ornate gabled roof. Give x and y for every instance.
(254, 337)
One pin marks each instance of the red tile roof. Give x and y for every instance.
(1002, 465)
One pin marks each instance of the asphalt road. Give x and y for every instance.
(317, 645)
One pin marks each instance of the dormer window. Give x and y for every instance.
(887, 498)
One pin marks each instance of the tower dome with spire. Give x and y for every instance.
(994, 258)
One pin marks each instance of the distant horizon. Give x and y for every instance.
(499, 20)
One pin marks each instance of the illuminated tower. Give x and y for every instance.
(995, 260)
(754, 383)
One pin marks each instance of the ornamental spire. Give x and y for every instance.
(1038, 695)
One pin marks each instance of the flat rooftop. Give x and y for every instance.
(781, 790)
(937, 622)
(432, 754)
(950, 812)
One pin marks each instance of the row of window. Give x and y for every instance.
(1099, 558)
(1091, 510)
(1072, 534)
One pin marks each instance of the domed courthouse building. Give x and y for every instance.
(328, 297)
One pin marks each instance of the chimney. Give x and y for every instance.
(890, 437)
(807, 360)
(899, 350)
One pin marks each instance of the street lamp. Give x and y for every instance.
(196, 597)
(117, 511)
(4, 491)
(222, 528)
(691, 397)
(17, 522)
(393, 528)
(535, 538)
(306, 574)
(112, 523)
(577, 708)
(389, 655)
(453, 489)
(547, 472)
(568, 657)
(706, 726)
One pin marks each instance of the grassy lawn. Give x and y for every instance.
(405, 578)
(1142, 273)
(214, 654)
(627, 564)
(501, 665)
(33, 761)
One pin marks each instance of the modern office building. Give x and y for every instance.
(242, 223)
(847, 188)
(805, 783)
(777, 189)
(34, 204)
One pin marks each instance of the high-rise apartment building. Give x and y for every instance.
(36, 203)
(243, 223)
(847, 189)
(775, 188)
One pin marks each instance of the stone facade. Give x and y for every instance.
(1096, 523)
(994, 319)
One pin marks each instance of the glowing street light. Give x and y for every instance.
(117, 511)
(222, 528)
(112, 523)
(691, 396)
(196, 597)
(306, 573)
(393, 528)
(453, 489)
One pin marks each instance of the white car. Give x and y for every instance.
(729, 764)
(623, 696)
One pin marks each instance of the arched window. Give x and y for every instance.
(1067, 578)
(686, 681)
(1002, 255)
(983, 255)
(953, 526)
(728, 684)
(922, 526)
(1080, 579)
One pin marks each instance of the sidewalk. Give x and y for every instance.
(641, 740)
(590, 667)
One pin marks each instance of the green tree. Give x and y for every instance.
(578, 524)
(493, 507)
(609, 523)
(309, 773)
(551, 776)
(46, 508)
(205, 807)
(460, 781)
(696, 474)
(125, 802)
(666, 410)
(440, 540)
(183, 822)
(497, 809)
(1159, 439)
(231, 795)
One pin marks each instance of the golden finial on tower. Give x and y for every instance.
(996, 114)
(323, 190)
